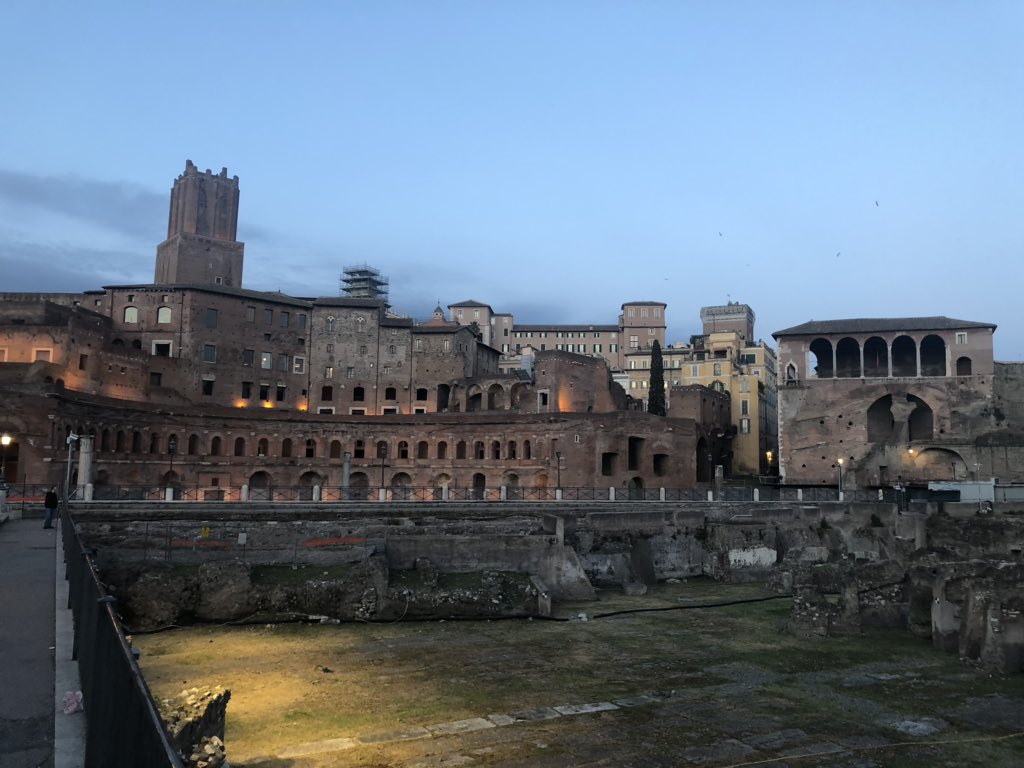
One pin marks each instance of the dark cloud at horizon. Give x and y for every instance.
(125, 208)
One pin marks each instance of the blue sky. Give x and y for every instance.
(816, 160)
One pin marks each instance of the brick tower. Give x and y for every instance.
(201, 248)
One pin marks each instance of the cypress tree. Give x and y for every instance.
(656, 387)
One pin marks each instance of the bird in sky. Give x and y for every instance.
(876, 203)
(837, 255)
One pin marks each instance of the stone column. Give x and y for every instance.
(85, 452)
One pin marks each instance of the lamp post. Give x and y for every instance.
(769, 456)
(172, 446)
(839, 463)
(346, 470)
(72, 438)
(5, 440)
(382, 453)
(558, 469)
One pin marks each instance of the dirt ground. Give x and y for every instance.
(723, 686)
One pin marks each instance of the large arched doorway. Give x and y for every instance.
(876, 358)
(904, 357)
(359, 486)
(307, 481)
(939, 464)
(439, 483)
(401, 486)
(260, 486)
(933, 356)
(479, 486)
(496, 398)
(511, 482)
(635, 488)
(848, 359)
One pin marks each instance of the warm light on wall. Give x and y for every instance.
(303, 407)
(241, 403)
(267, 404)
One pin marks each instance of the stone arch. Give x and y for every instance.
(847, 358)
(401, 485)
(933, 356)
(359, 485)
(479, 485)
(876, 358)
(921, 423)
(940, 464)
(904, 357)
(496, 398)
(881, 424)
(307, 480)
(635, 487)
(239, 446)
(474, 399)
(260, 479)
(963, 366)
(821, 358)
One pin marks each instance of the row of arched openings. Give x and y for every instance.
(848, 359)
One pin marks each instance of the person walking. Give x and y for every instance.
(50, 502)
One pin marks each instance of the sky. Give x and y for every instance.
(815, 160)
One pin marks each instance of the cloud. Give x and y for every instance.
(38, 267)
(128, 209)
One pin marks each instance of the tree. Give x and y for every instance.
(656, 388)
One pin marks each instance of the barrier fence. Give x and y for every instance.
(410, 493)
(123, 727)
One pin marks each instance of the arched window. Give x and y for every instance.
(422, 449)
(136, 442)
(239, 446)
(390, 393)
(119, 441)
(335, 449)
(421, 394)
(358, 394)
(262, 447)
(331, 323)
(478, 450)
(963, 366)
(904, 357)
(359, 450)
(791, 374)
(286, 448)
(496, 450)
(821, 359)
(310, 448)
(933, 356)
(848, 359)
(215, 446)
(527, 450)
(876, 358)
(105, 440)
(460, 449)
(193, 445)
(510, 450)
(442, 450)
(403, 449)
(154, 443)
(131, 315)
(163, 315)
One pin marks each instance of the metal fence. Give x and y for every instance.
(123, 726)
(410, 493)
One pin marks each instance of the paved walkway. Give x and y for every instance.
(35, 652)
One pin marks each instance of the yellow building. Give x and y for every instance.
(727, 360)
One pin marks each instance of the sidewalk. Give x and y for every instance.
(35, 652)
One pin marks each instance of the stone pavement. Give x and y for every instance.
(35, 652)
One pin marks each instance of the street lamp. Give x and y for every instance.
(382, 453)
(4, 442)
(172, 446)
(769, 456)
(839, 462)
(558, 469)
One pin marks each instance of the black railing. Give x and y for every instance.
(412, 493)
(123, 727)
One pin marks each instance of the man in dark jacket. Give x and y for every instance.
(50, 502)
